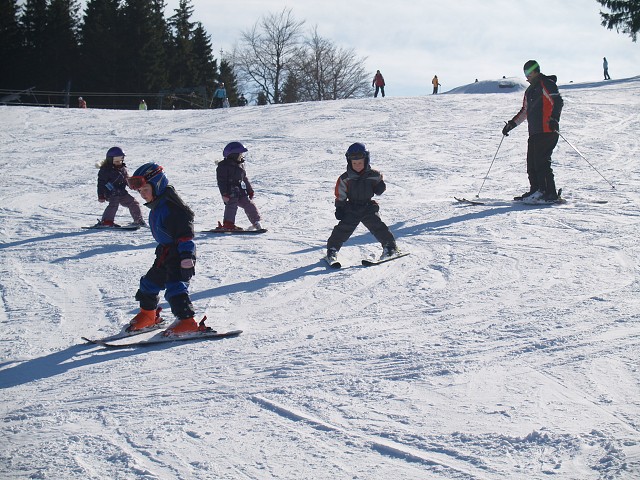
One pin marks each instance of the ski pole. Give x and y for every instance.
(584, 158)
(494, 159)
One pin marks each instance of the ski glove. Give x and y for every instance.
(187, 268)
(251, 194)
(508, 127)
(340, 213)
(225, 199)
(554, 125)
(380, 188)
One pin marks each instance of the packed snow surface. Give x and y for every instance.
(505, 346)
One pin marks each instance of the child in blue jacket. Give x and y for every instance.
(171, 224)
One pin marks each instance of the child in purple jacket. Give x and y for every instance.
(235, 188)
(112, 188)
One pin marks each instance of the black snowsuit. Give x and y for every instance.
(354, 192)
(541, 102)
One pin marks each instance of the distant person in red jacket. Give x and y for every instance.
(378, 82)
(82, 103)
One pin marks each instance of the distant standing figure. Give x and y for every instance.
(605, 67)
(435, 84)
(143, 105)
(219, 96)
(82, 103)
(242, 101)
(378, 82)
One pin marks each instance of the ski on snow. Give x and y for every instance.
(124, 333)
(131, 226)
(468, 202)
(366, 262)
(518, 200)
(234, 232)
(209, 334)
(370, 263)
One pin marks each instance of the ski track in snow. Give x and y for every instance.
(505, 346)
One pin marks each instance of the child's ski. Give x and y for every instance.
(209, 334)
(235, 232)
(125, 334)
(469, 202)
(369, 262)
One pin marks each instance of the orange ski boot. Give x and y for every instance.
(182, 327)
(144, 319)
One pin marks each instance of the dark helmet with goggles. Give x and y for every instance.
(152, 174)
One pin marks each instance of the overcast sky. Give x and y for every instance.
(410, 41)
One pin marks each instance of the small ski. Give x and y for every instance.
(469, 202)
(235, 232)
(333, 263)
(369, 263)
(131, 226)
(126, 334)
(157, 339)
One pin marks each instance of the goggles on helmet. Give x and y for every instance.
(136, 182)
(531, 69)
(357, 156)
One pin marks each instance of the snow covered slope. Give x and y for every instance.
(505, 346)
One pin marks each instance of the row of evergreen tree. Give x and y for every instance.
(117, 53)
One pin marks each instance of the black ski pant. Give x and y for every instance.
(354, 215)
(539, 150)
(166, 274)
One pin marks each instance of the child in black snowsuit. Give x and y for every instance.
(354, 205)
(112, 188)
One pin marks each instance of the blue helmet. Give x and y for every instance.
(115, 152)
(150, 173)
(233, 147)
(357, 151)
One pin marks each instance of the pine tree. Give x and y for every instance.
(182, 58)
(624, 16)
(61, 33)
(145, 38)
(228, 77)
(11, 46)
(101, 49)
(33, 21)
(205, 66)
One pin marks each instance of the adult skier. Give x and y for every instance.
(541, 107)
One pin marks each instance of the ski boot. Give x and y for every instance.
(145, 319)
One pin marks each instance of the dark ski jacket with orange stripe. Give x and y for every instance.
(541, 102)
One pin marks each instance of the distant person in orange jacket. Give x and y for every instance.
(435, 84)
(378, 82)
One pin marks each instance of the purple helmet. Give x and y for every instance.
(233, 147)
(115, 152)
